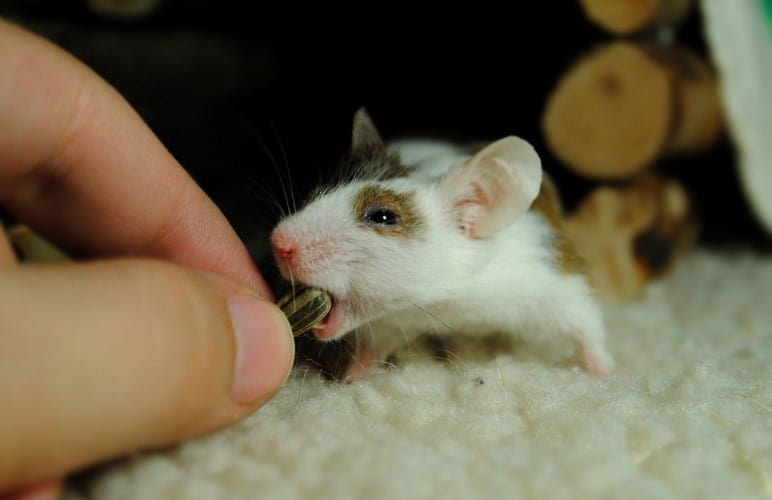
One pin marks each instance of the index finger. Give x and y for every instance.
(78, 164)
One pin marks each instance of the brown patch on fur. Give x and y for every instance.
(376, 163)
(548, 205)
(372, 164)
(459, 347)
(403, 204)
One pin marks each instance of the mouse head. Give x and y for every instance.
(387, 239)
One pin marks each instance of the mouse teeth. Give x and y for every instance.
(305, 309)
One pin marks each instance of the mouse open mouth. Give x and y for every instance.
(330, 326)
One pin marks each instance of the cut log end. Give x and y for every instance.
(698, 118)
(610, 115)
(624, 17)
(625, 105)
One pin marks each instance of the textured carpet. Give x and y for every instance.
(689, 415)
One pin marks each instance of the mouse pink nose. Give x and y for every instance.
(284, 248)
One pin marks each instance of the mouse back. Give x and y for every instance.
(548, 205)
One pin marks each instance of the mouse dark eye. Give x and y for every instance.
(381, 216)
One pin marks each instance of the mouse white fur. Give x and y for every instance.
(424, 237)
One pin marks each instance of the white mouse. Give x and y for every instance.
(422, 237)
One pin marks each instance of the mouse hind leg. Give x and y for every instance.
(596, 359)
(581, 320)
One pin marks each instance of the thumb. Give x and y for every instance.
(103, 358)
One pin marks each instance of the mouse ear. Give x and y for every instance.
(494, 187)
(364, 136)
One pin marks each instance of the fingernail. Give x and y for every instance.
(264, 348)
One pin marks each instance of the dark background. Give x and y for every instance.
(243, 96)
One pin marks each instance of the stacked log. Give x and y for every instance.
(615, 113)
(626, 105)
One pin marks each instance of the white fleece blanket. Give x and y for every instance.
(689, 415)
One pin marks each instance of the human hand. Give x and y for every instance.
(108, 356)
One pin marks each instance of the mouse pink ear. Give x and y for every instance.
(494, 187)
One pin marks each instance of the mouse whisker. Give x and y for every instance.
(372, 336)
(403, 331)
(306, 369)
(259, 188)
(286, 167)
(354, 355)
(458, 363)
(434, 316)
(292, 282)
(263, 194)
(279, 176)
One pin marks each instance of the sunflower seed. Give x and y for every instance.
(306, 309)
